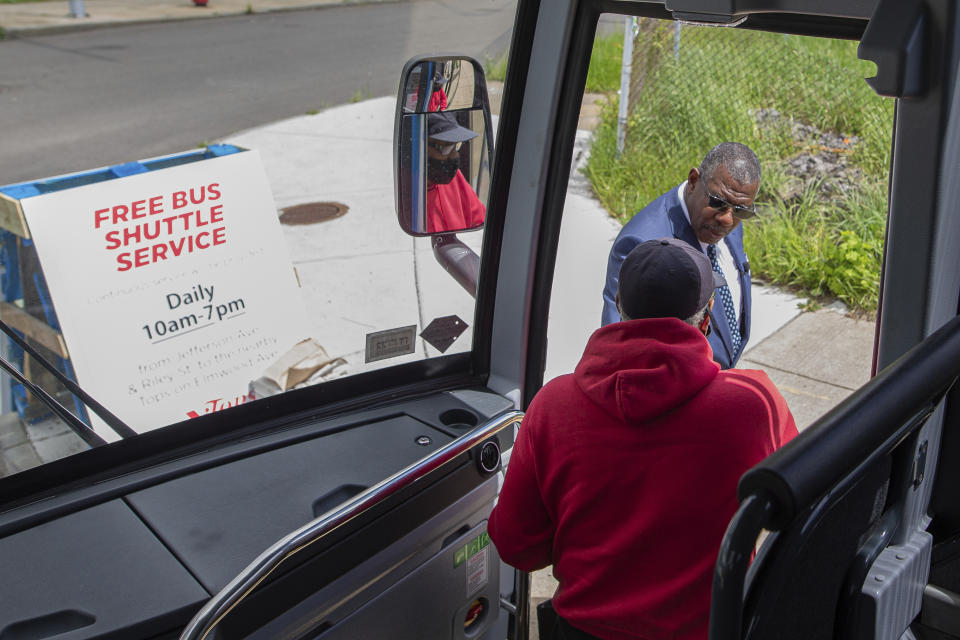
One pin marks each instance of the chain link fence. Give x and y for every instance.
(801, 103)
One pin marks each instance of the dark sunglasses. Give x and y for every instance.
(445, 148)
(739, 211)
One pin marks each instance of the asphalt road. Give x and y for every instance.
(79, 101)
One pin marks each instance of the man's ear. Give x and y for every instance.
(693, 176)
(705, 323)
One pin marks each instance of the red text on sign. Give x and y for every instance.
(170, 249)
(133, 211)
(183, 222)
(198, 195)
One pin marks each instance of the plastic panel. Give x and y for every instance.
(424, 603)
(221, 519)
(376, 583)
(74, 578)
(28, 189)
(895, 584)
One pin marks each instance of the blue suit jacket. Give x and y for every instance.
(664, 218)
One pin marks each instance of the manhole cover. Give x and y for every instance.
(312, 212)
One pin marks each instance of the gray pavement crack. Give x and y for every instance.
(798, 375)
(85, 54)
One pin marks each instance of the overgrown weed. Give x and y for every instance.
(722, 85)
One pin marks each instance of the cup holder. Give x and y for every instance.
(459, 419)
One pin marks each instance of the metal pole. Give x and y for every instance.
(77, 9)
(629, 27)
(676, 41)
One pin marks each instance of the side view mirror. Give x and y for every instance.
(443, 143)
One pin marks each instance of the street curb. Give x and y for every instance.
(14, 33)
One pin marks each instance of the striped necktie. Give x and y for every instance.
(726, 299)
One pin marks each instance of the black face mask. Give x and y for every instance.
(442, 171)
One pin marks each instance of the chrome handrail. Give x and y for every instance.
(257, 571)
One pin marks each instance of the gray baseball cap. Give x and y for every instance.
(443, 126)
(666, 278)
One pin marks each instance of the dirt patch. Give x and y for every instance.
(822, 158)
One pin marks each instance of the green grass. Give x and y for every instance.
(19, 1)
(360, 95)
(821, 243)
(496, 68)
(605, 65)
(830, 249)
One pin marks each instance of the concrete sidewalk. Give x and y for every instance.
(35, 18)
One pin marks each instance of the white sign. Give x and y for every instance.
(477, 571)
(173, 288)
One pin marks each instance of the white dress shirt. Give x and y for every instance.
(729, 269)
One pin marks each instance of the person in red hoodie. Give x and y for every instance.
(452, 204)
(624, 473)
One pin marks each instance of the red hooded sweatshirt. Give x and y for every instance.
(454, 206)
(624, 477)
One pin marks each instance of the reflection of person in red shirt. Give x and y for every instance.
(438, 100)
(452, 204)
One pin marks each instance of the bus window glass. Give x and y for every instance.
(199, 215)
(813, 248)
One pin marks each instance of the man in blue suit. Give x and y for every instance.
(705, 212)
